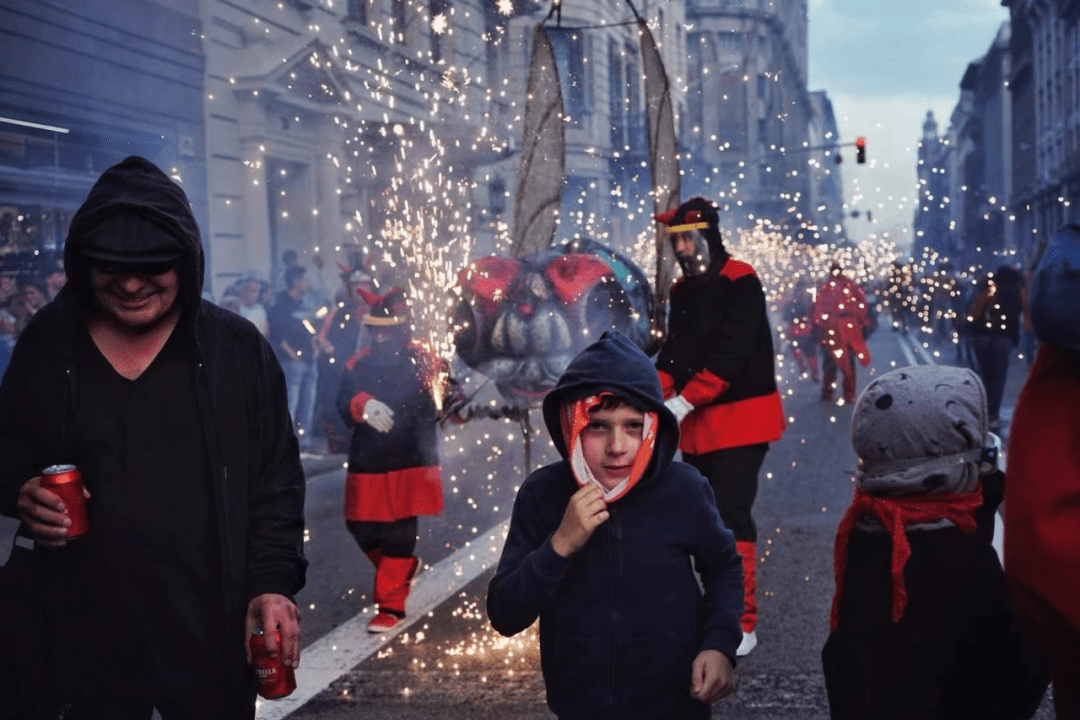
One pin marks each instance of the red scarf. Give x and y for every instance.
(896, 513)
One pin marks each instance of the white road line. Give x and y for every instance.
(913, 351)
(903, 342)
(349, 644)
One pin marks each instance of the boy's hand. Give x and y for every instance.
(712, 676)
(584, 513)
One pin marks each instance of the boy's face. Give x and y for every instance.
(610, 443)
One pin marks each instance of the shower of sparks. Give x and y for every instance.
(432, 262)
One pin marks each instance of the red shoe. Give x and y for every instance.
(383, 621)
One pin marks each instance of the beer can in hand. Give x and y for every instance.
(276, 679)
(66, 481)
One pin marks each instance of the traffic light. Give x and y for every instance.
(860, 150)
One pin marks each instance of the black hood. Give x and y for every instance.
(134, 213)
(615, 364)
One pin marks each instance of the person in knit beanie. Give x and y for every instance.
(921, 625)
(1042, 525)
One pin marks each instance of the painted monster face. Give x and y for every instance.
(521, 321)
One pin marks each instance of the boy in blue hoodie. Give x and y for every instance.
(606, 547)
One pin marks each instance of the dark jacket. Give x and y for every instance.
(256, 477)
(718, 355)
(396, 381)
(998, 313)
(958, 651)
(622, 620)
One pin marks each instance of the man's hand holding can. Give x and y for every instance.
(53, 517)
(273, 642)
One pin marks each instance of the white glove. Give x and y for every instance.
(679, 407)
(378, 415)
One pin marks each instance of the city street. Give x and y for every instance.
(449, 663)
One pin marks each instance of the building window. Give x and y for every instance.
(494, 40)
(635, 107)
(569, 47)
(440, 29)
(616, 99)
(358, 11)
(696, 51)
(497, 196)
(398, 18)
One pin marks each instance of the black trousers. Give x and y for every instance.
(733, 475)
(992, 358)
(219, 701)
(393, 539)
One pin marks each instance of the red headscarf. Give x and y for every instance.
(574, 418)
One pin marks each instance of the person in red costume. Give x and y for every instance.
(1042, 521)
(841, 316)
(393, 473)
(718, 374)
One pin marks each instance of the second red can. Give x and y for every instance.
(276, 679)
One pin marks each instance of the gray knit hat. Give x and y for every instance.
(920, 430)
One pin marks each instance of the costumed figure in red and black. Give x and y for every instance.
(393, 474)
(921, 623)
(718, 374)
(841, 316)
(802, 334)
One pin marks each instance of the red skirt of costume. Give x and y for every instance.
(393, 495)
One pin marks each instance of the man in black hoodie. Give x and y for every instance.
(174, 411)
(606, 547)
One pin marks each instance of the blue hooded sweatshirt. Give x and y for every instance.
(622, 620)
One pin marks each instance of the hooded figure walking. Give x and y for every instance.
(607, 546)
(921, 623)
(174, 411)
(718, 377)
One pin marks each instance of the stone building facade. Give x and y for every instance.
(306, 125)
(826, 177)
(318, 113)
(1045, 84)
(748, 108)
(931, 224)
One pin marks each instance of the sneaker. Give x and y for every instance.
(383, 621)
(749, 642)
(308, 455)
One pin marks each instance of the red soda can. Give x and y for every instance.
(276, 679)
(66, 481)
